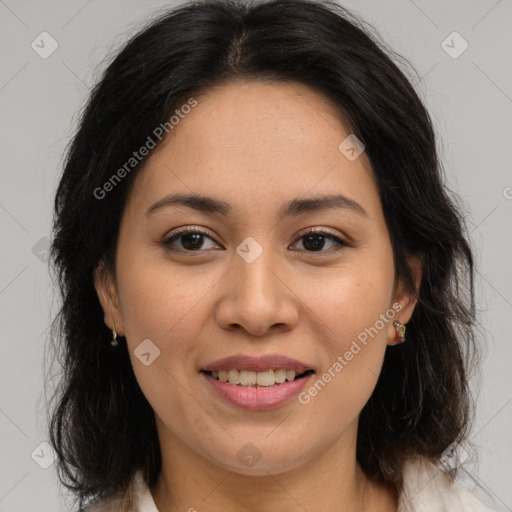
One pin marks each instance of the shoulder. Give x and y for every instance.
(428, 489)
(124, 501)
(109, 505)
(136, 498)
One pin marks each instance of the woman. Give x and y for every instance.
(253, 208)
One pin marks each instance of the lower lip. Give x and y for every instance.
(257, 399)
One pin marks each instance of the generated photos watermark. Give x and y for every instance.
(137, 156)
(343, 360)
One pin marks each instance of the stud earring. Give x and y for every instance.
(400, 330)
(114, 341)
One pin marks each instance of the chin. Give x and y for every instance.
(251, 462)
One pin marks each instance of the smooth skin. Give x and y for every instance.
(256, 145)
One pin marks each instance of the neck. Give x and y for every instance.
(331, 480)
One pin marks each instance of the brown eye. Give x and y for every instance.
(192, 239)
(315, 241)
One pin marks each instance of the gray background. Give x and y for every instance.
(470, 98)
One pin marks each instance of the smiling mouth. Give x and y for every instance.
(253, 379)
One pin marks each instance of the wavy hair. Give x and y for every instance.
(101, 426)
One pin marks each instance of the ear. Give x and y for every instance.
(405, 299)
(108, 297)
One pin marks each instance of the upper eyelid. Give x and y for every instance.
(205, 231)
(321, 230)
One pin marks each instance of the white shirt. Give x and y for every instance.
(426, 489)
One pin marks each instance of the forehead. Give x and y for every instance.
(255, 143)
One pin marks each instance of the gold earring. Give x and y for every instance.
(114, 341)
(400, 330)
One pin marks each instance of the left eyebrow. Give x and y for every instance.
(291, 208)
(319, 203)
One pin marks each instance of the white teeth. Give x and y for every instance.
(265, 378)
(234, 376)
(249, 378)
(280, 375)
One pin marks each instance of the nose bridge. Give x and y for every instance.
(256, 296)
(256, 269)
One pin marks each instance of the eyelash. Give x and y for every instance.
(166, 242)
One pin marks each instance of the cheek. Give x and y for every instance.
(158, 298)
(161, 304)
(351, 309)
(351, 298)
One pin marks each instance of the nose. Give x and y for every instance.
(258, 297)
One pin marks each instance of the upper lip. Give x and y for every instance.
(258, 363)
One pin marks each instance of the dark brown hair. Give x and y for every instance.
(102, 427)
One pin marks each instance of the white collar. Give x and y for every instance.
(427, 489)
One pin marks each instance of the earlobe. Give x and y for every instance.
(407, 300)
(400, 332)
(107, 295)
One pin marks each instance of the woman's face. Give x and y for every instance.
(255, 283)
